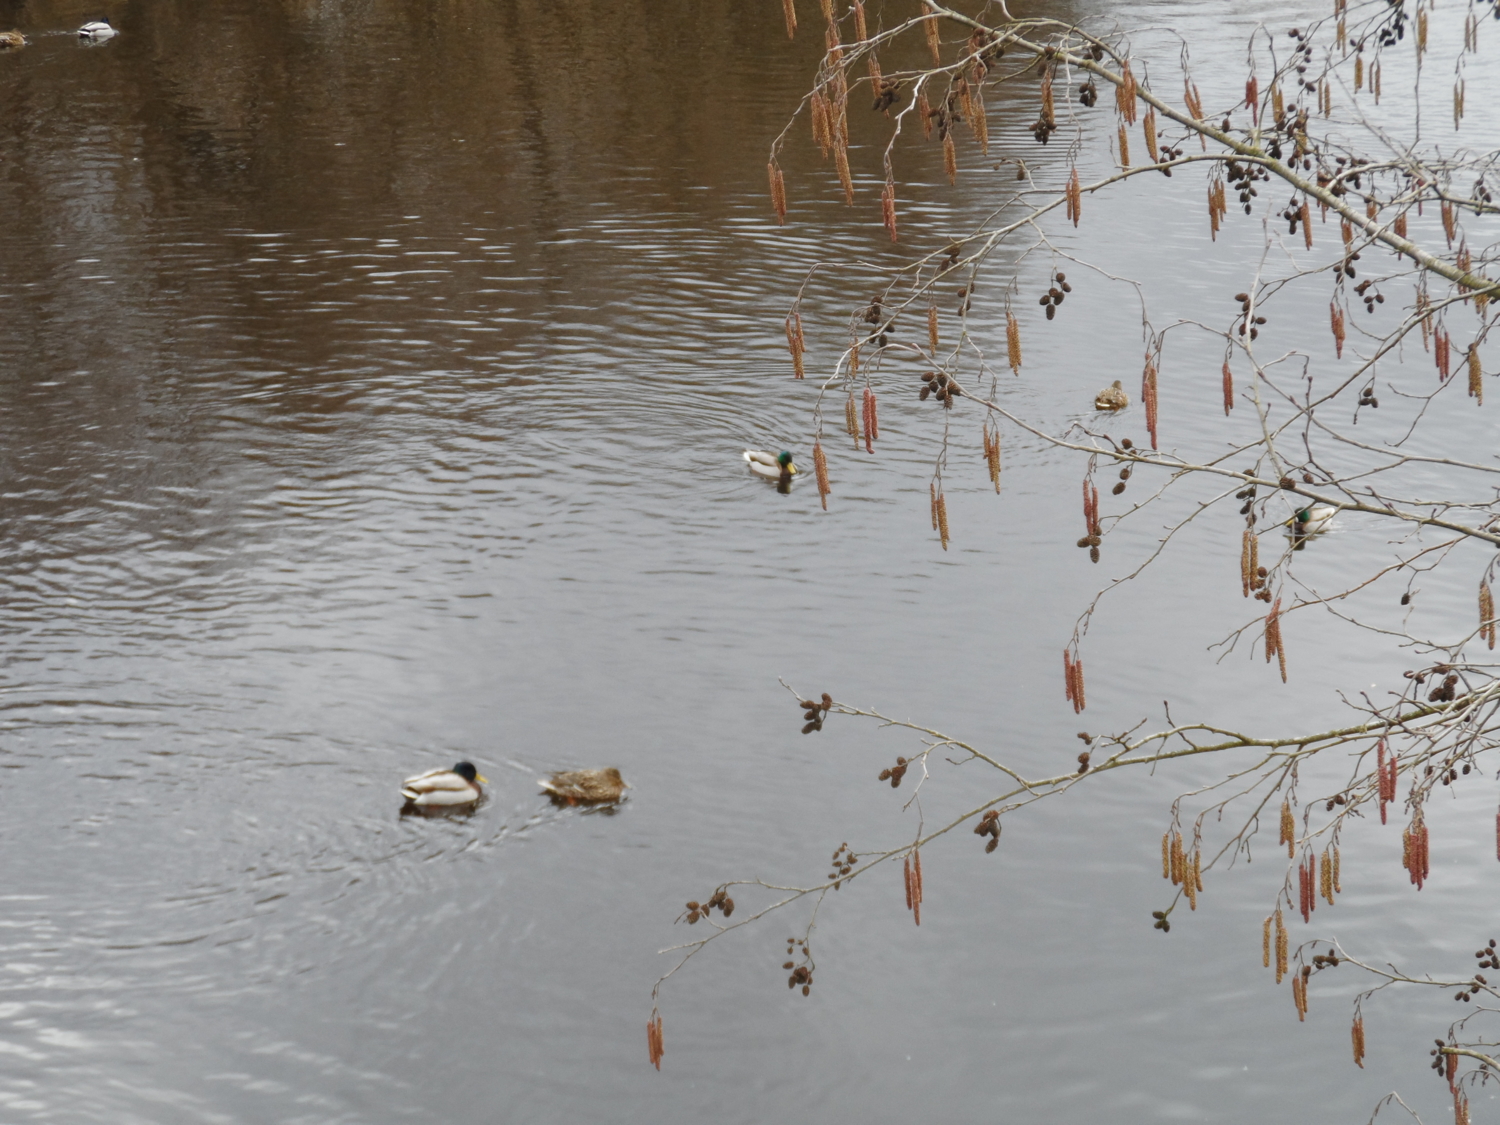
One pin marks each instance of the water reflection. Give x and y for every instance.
(374, 381)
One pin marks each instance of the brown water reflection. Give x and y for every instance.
(372, 386)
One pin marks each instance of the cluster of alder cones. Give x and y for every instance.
(814, 712)
(721, 899)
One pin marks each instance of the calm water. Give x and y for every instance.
(372, 381)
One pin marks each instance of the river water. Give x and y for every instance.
(373, 381)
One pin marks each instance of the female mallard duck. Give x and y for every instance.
(1311, 521)
(444, 788)
(772, 466)
(97, 30)
(1112, 397)
(585, 787)
(11, 39)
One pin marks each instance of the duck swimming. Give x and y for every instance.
(1112, 398)
(11, 39)
(97, 30)
(444, 788)
(585, 787)
(1312, 521)
(771, 466)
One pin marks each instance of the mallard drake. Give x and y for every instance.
(97, 29)
(585, 787)
(772, 466)
(458, 786)
(1311, 521)
(1112, 397)
(10, 39)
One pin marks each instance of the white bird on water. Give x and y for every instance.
(97, 30)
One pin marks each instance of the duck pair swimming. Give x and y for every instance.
(459, 786)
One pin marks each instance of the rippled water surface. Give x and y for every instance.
(372, 382)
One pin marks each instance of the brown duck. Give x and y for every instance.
(585, 787)
(1112, 397)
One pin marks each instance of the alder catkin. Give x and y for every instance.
(1166, 839)
(851, 418)
(1148, 128)
(950, 157)
(789, 10)
(942, 519)
(867, 419)
(1265, 943)
(1228, 388)
(933, 42)
(795, 342)
(1281, 947)
(1013, 341)
(1306, 219)
(820, 468)
(1486, 614)
(1148, 397)
(1125, 94)
(1476, 375)
(778, 191)
(932, 328)
(1124, 148)
(1336, 320)
(1288, 834)
(1357, 1035)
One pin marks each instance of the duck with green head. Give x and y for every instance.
(771, 466)
(445, 789)
(1313, 520)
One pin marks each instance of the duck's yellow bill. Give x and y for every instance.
(481, 778)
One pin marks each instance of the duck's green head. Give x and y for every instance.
(467, 771)
(1303, 516)
(784, 459)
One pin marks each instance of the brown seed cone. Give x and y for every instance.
(778, 189)
(820, 469)
(1013, 341)
(1476, 375)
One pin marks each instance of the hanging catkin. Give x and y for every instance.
(868, 421)
(796, 343)
(1357, 1036)
(1013, 341)
(1336, 321)
(790, 11)
(1305, 217)
(888, 207)
(933, 42)
(1476, 378)
(1228, 388)
(1486, 614)
(950, 157)
(1148, 129)
(1288, 833)
(1075, 197)
(932, 328)
(1125, 94)
(942, 519)
(1274, 646)
(820, 467)
(1281, 947)
(1148, 396)
(851, 419)
(778, 190)
(1124, 148)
